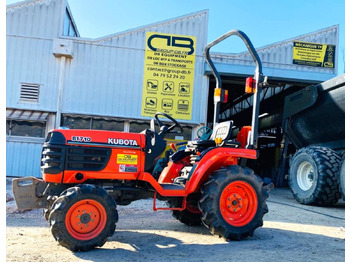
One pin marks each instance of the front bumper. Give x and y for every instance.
(29, 193)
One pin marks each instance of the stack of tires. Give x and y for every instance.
(317, 176)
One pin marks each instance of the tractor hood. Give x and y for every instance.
(96, 138)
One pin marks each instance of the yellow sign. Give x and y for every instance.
(127, 159)
(313, 54)
(168, 75)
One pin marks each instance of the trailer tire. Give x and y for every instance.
(233, 203)
(83, 217)
(342, 178)
(314, 176)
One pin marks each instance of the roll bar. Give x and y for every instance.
(252, 142)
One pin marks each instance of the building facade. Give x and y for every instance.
(56, 78)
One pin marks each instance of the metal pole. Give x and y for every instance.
(60, 92)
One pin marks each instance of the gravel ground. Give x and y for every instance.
(291, 232)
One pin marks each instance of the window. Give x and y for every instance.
(29, 93)
(112, 125)
(137, 127)
(68, 26)
(80, 122)
(76, 122)
(25, 128)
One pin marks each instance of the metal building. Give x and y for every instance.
(57, 78)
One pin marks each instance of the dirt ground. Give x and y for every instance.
(291, 232)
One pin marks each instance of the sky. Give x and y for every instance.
(265, 22)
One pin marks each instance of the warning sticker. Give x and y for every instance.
(127, 159)
(313, 54)
(168, 75)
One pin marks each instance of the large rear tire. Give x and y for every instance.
(233, 203)
(83, 217)
(314, 176)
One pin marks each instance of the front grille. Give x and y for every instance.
(55, 158)
(52, 159)
(87, 158)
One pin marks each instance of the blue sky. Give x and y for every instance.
(265, 22)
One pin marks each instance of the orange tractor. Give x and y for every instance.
(87, 173)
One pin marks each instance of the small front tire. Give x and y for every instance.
(83, 217)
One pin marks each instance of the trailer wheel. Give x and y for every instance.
(83, 217)
(233, 203)
(342, 178)
(313, 176)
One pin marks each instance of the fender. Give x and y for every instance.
(214, 160)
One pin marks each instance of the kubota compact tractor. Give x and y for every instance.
(87, 173)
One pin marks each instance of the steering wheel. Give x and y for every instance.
(204, 132)
(172, 127)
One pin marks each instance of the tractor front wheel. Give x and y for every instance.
(83, 217)
(233, 203)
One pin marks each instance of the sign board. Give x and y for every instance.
(313, 54)
(168, 75)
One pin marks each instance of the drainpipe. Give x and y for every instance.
(63, 49)
(60, 92)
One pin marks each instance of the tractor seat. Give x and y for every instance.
(222, 130)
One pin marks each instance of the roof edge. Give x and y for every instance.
(21, 3)
(141, 28)
(277, 43)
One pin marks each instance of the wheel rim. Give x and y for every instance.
(305, 175)
(86, 219)
(238, 203)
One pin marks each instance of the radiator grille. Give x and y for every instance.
(87, 158)
(57, 158)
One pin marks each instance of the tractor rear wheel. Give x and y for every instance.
(191, 216)
(314, 176)
(83, 217)
(233, 203)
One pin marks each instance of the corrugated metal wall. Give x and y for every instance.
(30, 28)
(23, 158)
(279, 56)
(30, 60)
(40, 18)
(105, 76)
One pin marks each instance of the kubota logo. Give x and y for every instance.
(122, 142)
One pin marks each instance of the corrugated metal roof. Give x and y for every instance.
(277, 59)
